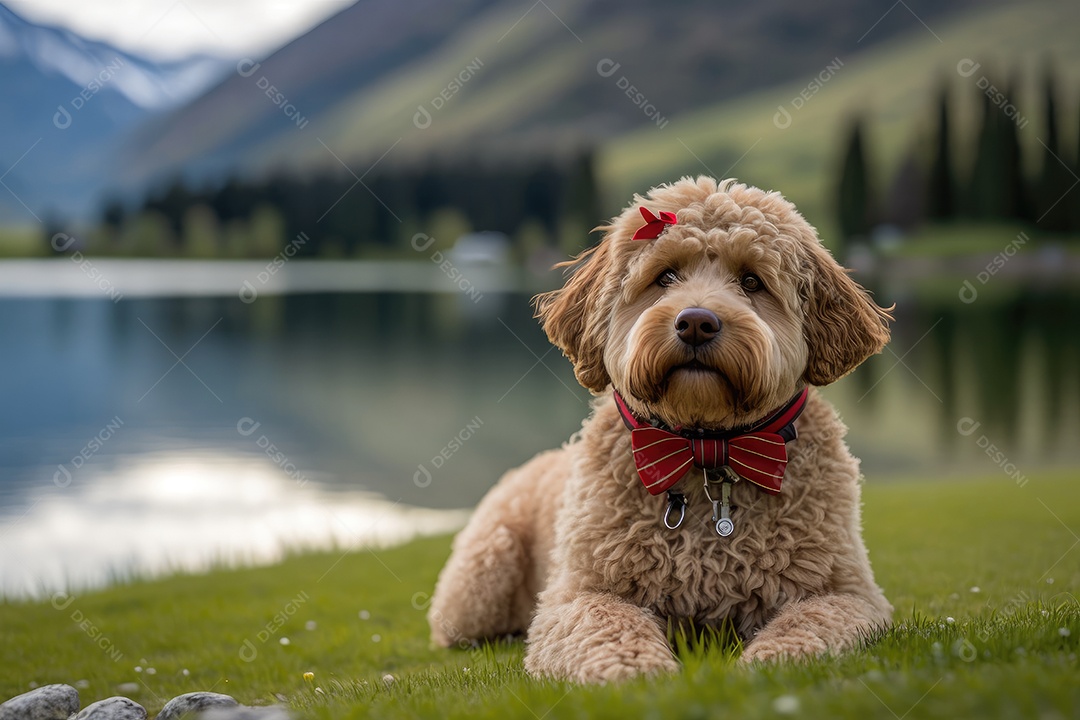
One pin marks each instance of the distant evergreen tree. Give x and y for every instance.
(941, 182)
(171, 204)
(267, 232)
(52, 226)
(394, 204)
(201, 236)
(905, 202)
(987, 188)
(1018, 201)
(1054, 183)
(148, 234)
(581, 201)
(428, 191)
(1074, 203)
(113, 214)
(234, 200)
(854, 197)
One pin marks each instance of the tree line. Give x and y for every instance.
(933, 185)
(538, 203)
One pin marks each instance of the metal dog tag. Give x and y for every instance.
(724, 524)
(721, 514)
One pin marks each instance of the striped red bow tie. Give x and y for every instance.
(758, 454)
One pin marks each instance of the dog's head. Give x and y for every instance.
(720, 319)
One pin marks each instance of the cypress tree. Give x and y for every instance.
(854, 197)
(1075, 220)
(581, 198)
(941, 182)
(1055, 181)
(987, 186)
(1018, 200)
(113, 215)
(905, 202)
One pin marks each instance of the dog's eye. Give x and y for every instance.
(667, 278)
(751, 282)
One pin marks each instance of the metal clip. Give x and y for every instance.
(676, 501)
(725, 525)
(722, 508)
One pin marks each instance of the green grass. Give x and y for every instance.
(21, 242)
(964, 239)
(1010, 649)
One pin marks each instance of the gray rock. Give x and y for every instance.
(49, 702)
(271, 712)
(195, 702)
(114, 708)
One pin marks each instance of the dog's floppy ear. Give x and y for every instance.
(843, 325)
(571, 316)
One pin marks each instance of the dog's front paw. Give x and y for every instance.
(597, 638)
(788, 647)
(817, 626)
(614, 663)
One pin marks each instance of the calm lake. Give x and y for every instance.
(156, 418)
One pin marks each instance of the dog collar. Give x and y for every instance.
(757, 454)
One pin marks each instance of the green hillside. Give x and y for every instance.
(500, 79)
(892, 85)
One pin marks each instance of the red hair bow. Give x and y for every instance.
(653, 225)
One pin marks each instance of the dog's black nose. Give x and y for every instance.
(697, 326)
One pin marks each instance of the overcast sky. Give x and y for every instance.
(171, 28)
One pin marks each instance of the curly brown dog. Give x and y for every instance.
(702, 321)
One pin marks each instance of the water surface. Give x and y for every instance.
(182, 423)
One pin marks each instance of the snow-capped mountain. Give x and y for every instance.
(67, 100)
(146, 83)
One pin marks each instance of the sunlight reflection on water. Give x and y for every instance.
(160, 513)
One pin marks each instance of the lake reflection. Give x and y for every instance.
(139, 516)
(165, 432)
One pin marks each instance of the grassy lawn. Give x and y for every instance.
(984, 575)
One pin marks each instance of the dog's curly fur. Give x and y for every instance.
(572, 549)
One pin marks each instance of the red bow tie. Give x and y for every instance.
(758, 455)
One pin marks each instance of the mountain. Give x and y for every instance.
(893, 86)
(503, 77)
(67, 102)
